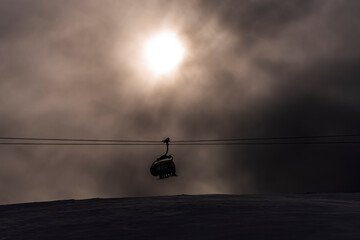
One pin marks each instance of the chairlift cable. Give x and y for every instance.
(269, 138)
(177, 144)
(179, 141)
(77, 140)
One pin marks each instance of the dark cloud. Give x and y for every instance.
(258, 68)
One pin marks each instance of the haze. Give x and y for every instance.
(75, 69)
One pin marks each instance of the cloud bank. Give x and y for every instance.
(253, 68)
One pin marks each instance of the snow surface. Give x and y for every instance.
(295, 216)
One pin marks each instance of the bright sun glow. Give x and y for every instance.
(164, 52)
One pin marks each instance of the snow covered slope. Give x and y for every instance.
(297, 216)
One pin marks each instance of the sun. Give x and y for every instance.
(164, 52)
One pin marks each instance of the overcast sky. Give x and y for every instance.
(75, 69)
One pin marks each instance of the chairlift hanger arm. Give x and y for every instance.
(167, 140)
